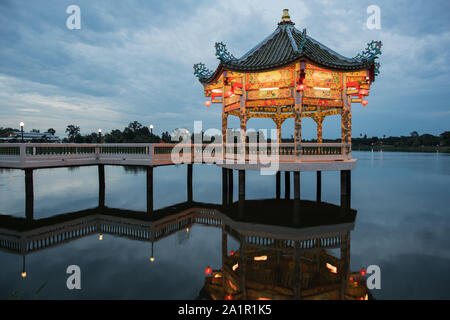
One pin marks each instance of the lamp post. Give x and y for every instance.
(100, 135)
(151, 129)
(21, 129)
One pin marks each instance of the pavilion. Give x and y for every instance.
(291, 75)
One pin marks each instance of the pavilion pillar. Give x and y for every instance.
(149, 189)
(230, 186)
(319, 122)
(287, 185)
(243, 126)
(298, 118)
(189, 182)
(224, 186)
(346, 124)
(278, 122)
(278, 185)
(29, 195)
(319, 186)
(101, 185)
(224, 133)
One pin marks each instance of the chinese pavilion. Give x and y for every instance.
(290, 75)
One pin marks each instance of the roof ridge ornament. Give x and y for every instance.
(222, 53)
(201, 72)
(371, 53)
(285, 18)
(302, 43)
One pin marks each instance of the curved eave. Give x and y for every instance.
(303, 57)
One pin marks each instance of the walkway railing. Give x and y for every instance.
(36, 155)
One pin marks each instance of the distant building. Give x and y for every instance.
(16, 136)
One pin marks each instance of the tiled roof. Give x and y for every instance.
(284, 46)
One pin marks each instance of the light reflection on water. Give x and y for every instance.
(402, 224)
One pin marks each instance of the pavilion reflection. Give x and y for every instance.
(283, 253)
(279, 259)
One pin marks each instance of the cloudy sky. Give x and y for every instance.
(132, 60)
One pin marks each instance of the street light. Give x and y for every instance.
(100, 135)
(151, 129)
(21, 129)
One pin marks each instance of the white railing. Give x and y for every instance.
(35, 155)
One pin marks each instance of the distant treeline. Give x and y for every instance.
(135, 132)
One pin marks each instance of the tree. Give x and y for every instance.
(51, 131)
(414, 134)
(72, 131)
(445, 138)
(35, 130)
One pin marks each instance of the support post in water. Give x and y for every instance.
(345, 189)
(230, 186)
(287, 185)
(29, 195)
(319, 186)
(149, 189)
(278, 185)
(101, 185)
(189, 182)
(224, 186)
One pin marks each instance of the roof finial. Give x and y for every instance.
(285, 18)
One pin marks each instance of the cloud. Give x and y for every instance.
(133, 60)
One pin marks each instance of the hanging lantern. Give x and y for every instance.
(301, 87)
(228, 297)
(231, 252)
(364, 102)
(208, 103)
(363, 272)
(208, 270)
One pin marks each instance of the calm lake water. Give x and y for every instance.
(402, 225)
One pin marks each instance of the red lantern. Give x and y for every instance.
(228, 297)
(231, 252)
(208, 103)
(363, 272)
(208, 270)
(364, 102)
(301, 87)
